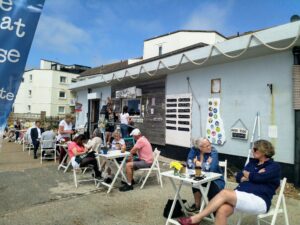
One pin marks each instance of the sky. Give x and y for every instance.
(97, 32)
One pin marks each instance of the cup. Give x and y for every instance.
(197, 171)
(123, 149)
(105, 150)
(183, 169)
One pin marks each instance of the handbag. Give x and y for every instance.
(177, 212)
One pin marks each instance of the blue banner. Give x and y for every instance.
(19, 19)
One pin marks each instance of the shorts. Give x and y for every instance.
(110, 129)
(141, 164)
(249, 203)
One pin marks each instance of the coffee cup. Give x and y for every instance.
(123, 149)
(197, 171)
(104, 150)
(183, 169)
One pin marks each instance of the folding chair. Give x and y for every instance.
(48, 146)
(155, 167)
(27, 144)
(82, 170)
(223, 164)
(280, 207)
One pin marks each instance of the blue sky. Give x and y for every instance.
(96, 32)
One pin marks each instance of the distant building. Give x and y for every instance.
(46, 89)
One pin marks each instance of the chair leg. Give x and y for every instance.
(160, 179)
(41, 156)
(69, 163)
(240, 219)
(146, 178)
(75, 178)
(286, 218)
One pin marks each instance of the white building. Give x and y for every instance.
(257, 72)
(46, 89)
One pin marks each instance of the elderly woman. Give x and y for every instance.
(79, 157)
(118, 142)
(257, 185)
(204, 155)
(94, 143)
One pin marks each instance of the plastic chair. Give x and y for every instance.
(280, 207)
(223, 164)
(46, 147)
(155, 167)
(82, 170)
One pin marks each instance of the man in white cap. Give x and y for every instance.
(144, 151)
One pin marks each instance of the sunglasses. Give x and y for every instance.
(255, 149)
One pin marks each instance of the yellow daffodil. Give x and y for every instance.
(176, 165)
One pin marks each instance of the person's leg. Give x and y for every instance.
(197, 197)
(224, 197)
(62, 154)
(223, 213)
(35, 148)
(91, 161)
(129, 172)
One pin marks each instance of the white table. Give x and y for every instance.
(209, 177)
(112, 155)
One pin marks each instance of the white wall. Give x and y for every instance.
(178, 40)
(244, 92)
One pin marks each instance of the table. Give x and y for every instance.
(185, 179)
(62, 165)
(113, 155)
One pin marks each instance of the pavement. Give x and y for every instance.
(34, 193)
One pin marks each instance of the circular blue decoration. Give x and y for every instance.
(219, 136)
(210, 114)
(215, 110)
(217, 123)
(219, 142)
(212, 126)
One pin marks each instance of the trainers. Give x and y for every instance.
(126, 187)
(192, 208)
(108, 180)
(124, 182)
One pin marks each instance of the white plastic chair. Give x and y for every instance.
(48, 146)
(280, 207)
(82, 171)
(155, 167)
(223, 164)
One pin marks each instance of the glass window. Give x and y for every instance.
(134, 106)
(62, 94)
(29, 108)
(30, 77)
(61, 109)
(73, 80)
(63, 80)
(29, 93)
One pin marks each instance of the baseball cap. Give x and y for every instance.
(135, 132)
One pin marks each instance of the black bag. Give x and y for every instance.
(177, 209)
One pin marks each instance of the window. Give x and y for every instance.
(29, 93)
(30, 77)
(62, 94)
(63, 80)
(61, 109)
(134, 106)
(29, 108)
(73, 80)
(159, 50)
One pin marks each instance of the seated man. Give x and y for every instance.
(257, 185)
(144, 151)
(48, 139)
(95, 142)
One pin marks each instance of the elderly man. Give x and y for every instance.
(95, 142)
(144, 151)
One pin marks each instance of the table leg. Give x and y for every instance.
(120, 167)
(204, 191)
(177, 196)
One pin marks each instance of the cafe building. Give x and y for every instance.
(190, 84)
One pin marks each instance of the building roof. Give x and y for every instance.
(109, 68)
(103, 69)
(192, 31)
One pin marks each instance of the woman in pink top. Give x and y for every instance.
(76, 148)
(144, 151)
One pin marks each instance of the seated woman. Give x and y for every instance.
(94, 143)
(117, 144)
(257, 185)
(206, 156)
(76, 148)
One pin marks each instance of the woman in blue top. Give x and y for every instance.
(257, 185)
(206, 156)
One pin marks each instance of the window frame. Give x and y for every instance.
(65, 95)
(58, 111)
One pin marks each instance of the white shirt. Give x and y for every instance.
(115, 142)
(66, 126)
(124, 118)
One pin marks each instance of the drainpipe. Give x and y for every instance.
(89, 115)
(296, 53)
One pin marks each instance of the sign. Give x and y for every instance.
(18, 23)
(131, 92)
(78, 107)
(93, 95)
(239, 133)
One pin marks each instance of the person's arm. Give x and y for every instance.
(266, 174)
(76, 152)
(240, 175)
(61, 130)
(191, 155)
(214, 161)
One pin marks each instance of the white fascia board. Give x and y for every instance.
(275, 34)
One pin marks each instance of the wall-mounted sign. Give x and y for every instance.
(238, 132)
(215, 86)
(78, 107)
(131, 92)
(94, 95)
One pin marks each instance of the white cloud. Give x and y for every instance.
(59, 36)
(210, 17)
